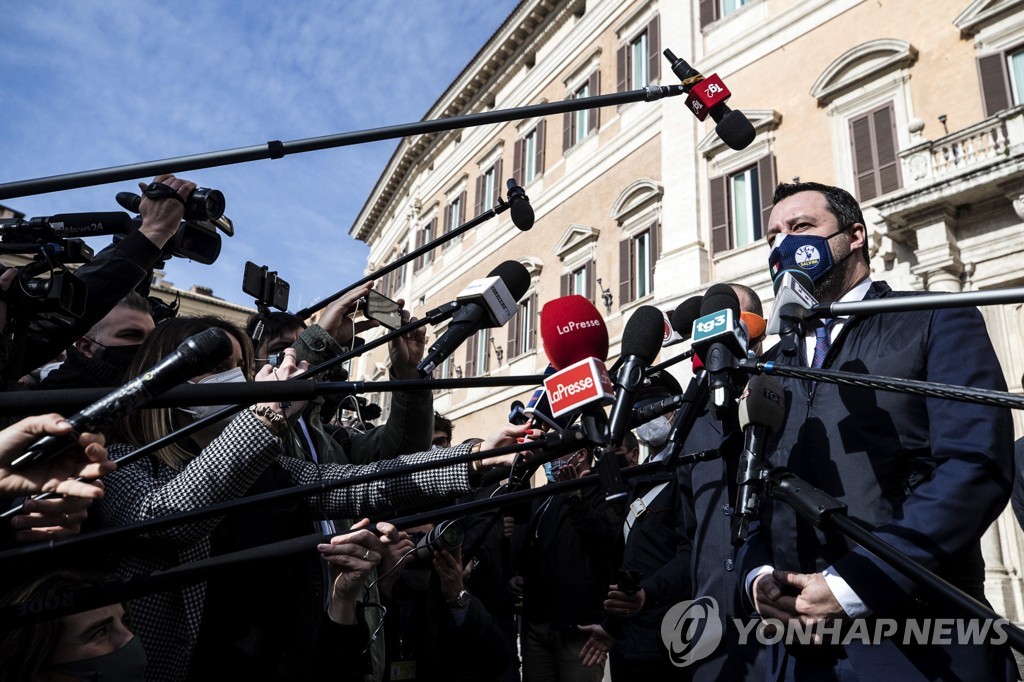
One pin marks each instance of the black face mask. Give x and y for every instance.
(127, 663)
(119, 357)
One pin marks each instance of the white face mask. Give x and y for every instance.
(655, 432)
(232, 376)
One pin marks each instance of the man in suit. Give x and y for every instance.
(929, 475)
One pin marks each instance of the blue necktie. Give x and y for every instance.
(822, 341)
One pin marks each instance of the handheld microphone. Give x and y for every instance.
(576, 342)
(66, 226)
(519, 206)
(793, 304)
(446, 535)
(761, 413)
(488, 302)
(197, 354)
(640, 345)
(719, 341)
(707, 95)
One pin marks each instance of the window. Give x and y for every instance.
(488, 188)
(529, 154)
(399, 281)
(713, 10)
(740, 204)
(876, 166)
(576, 125)
(454, 214)
(477, 354)
(424, 235)
(580, 281)
(522, 329)
(639, 60)
(637, 256)
(1002, 79)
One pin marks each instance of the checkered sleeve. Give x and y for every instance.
(384, 494)
(225, 470)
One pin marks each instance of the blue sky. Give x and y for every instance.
(89, 85)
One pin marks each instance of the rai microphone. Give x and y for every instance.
(720, 341)
(198, 354)
(762, 411)
(708, 95)
(487, 302)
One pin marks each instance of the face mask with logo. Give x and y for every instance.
(127, 663)
(808, 253)
(232, 376)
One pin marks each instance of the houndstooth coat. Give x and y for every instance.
(168, 623)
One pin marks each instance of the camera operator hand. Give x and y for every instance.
(337, 320)
(407, 350)
(161, 217)
(55, 474)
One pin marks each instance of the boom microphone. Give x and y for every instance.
(761, 413)
(196, 355)
(708, 95)
(519, 206)
(488, 302)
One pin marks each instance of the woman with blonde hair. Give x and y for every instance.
(228, 460)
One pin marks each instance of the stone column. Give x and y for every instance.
(938, 255)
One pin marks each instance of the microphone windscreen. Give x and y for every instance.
(515, 276)
(210, 346)
(572, 330)
(801, 277)
(684, 316)
(643, 334)
(735, 130)
(763, 403)
(755, 324)
(720, 297)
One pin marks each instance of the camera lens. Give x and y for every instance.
(205, 204)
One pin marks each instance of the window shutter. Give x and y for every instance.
(478, 196)
(708, 12)
(499, 182)
(566, 283)
(517, 162)
(447, 218)
(462, 209)
(567, 125)
(591, 284)
(654, 49)
(655, 232)
(884, 124)
(485, 337)
(594, 88)
(513, 335)
(995, 83)
(533, 324)
(625, 271)
(541, 128)
(420, 241)
(622, 68)
(863, 157)
(766, 184)
(719, 216)
(431, 231)
(471, 356)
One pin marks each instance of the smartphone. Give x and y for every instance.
(381, 308)
(265, 286)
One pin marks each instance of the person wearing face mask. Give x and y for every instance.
(218, 628)
(99, 359)
(91, 645)
(928, 475)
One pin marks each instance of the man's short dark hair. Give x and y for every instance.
(752, 304)
(274, 324)
(443, 424)
(134, 301)
(841, 203)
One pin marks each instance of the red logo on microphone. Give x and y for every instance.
(706, 94)
(577, 385)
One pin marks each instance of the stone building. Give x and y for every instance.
(913, 106)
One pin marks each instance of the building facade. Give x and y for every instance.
(913, 106)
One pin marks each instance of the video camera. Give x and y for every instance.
(196, 238)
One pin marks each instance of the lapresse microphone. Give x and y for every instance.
(720, 341)
(576, 342)
(762, 411)
(198, 354)
(488, 302)
(519, 206)
(707, 95)
(793, 302)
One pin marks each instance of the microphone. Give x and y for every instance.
(488, 302)
(576, 342)
(793, 303)
(640, 345)
(719, 341)
(761, 413)
(684, 316)
(708, 95)
(196, 355)
(519, 206)
(67, 226)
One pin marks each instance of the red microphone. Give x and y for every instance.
(576, 342)
(706, 95)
